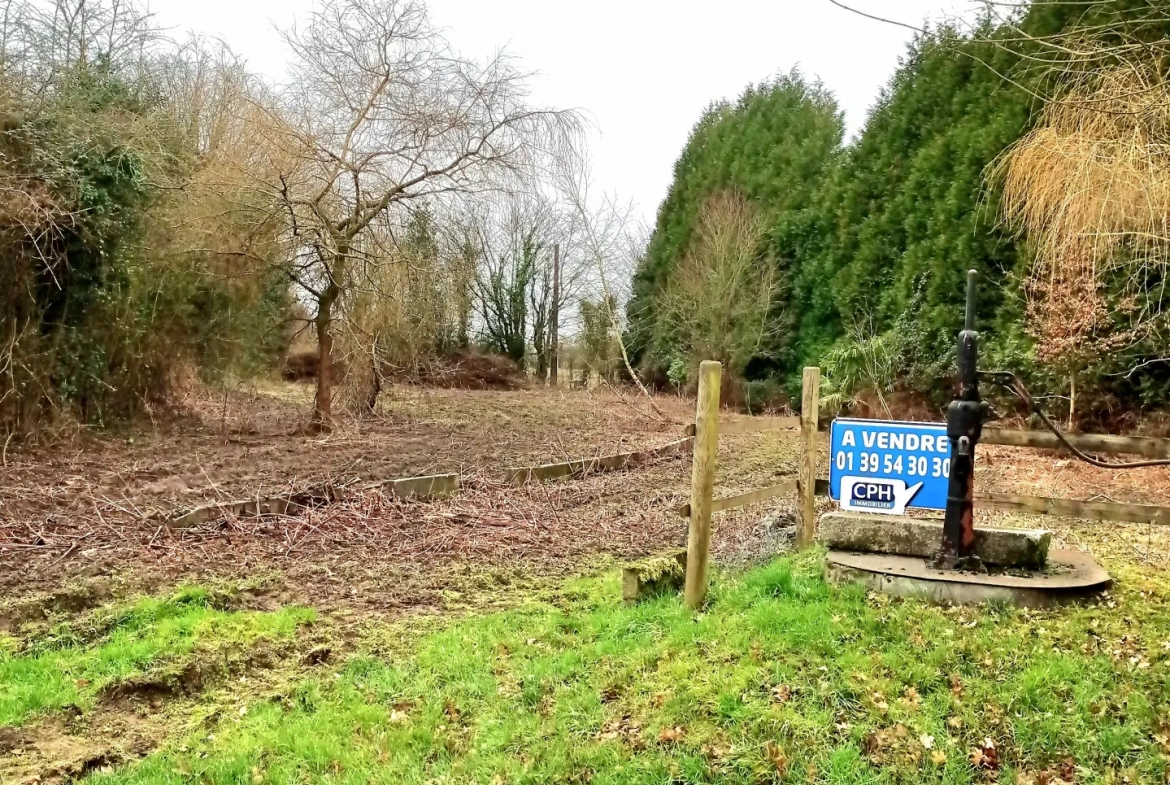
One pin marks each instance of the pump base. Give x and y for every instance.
(1069, 576)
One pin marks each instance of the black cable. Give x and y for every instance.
(1012, 382)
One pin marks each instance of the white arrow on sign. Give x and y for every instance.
(867, 494)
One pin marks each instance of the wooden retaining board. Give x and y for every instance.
(1070, 508)
(585, 466)
(432, 487)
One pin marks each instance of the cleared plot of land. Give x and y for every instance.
(297, 661)
(92, 508)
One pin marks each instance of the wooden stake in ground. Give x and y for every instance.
(703, 483)
(810, 404)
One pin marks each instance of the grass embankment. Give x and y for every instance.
(72, 664)
(783, 679)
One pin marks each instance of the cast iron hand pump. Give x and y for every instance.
(965, 417)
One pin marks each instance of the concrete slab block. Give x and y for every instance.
(902, 536)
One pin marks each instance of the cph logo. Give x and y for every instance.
(867, 494)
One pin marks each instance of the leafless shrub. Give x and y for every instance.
(718, 302)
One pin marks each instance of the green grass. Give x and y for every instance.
(70, 666)
(784, 679)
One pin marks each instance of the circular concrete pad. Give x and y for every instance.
(1070, 576)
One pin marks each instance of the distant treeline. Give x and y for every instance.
(867, 241)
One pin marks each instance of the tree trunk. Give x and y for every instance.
(554, 328)
(538, 347)
(375, 384)
(322, 421)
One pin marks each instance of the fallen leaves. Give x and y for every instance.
(1064, 773)
(957, 687)
(885, 745)
(776, 756)
(625, 730)
(986, 756)
(398, 714)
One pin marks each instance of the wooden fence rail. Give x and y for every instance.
(752, 425)
(744, 499)
(1089, 442)
(1071, 508)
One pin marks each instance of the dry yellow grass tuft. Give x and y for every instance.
(1090, 187)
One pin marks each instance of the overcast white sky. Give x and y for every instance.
(643, 70)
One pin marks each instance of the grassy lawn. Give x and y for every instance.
(72, 664)
(783, 679)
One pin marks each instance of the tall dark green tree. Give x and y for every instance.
(906, 213)
(873, 239)
(773, 145)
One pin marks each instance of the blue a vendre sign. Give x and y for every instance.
(885, 467)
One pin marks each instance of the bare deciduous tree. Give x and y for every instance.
(610, 241)
(382, 112)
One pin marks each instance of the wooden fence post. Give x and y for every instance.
(810, 404)
(702, 483)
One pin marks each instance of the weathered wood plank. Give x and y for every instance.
(436, 486)
(743, 499)
(1070, 508)
(1089, 442)
(524, 475)
(433, 487)
(243, 508)
(753, 425)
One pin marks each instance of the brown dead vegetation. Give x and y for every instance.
(84, 516)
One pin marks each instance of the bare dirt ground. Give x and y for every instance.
(82, 520)
(90, 509)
